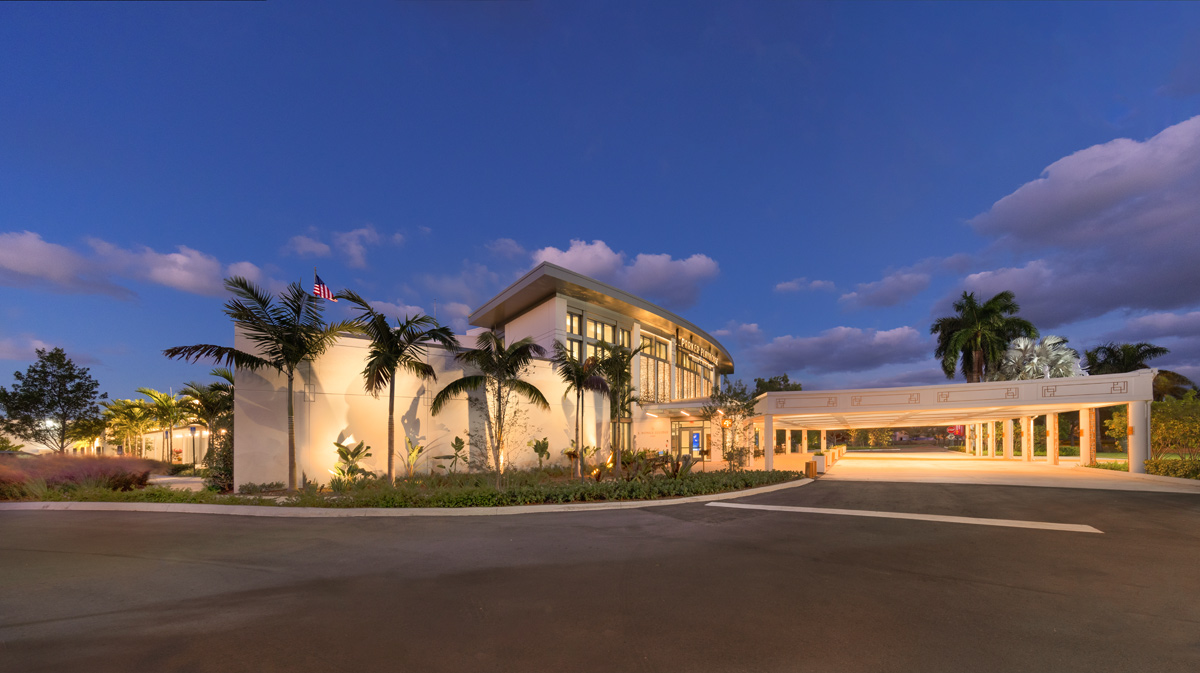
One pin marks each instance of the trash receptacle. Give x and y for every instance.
(810, 469)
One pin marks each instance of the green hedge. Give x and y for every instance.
(406, 495)
(1188, 468)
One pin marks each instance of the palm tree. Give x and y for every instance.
(1028, 359)
(212, 403)
(616, 362)
(129, 419)
(286, 333)
(500, 370)
(1119, 358)
(979, 333)
(400, 348)
(1171, 384)
(580, 376)
(169, 411)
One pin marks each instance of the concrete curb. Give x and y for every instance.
(335, 513)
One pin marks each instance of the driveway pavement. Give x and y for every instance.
(691, 587)
(952, 467)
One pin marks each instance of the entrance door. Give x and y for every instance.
(691, 440)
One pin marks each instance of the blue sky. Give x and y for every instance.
(811, 182)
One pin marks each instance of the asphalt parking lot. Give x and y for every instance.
(689, 587)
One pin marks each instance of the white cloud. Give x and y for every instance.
(675, 283)
(506, 248)
(21, 347)
(744, 334)
(889, 291)
(1110, 227)
(398, 238)
(798, 284)
(26, 260)
(1158, 325)
(353, 244)
(472, 284)
(304, 246)
(841, 349)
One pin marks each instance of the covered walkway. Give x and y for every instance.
(984, 408)
(951, 467)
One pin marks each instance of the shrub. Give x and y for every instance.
(531, 489)
(1116, 466)
(251, 488)
(1188, 468)
(32, 478)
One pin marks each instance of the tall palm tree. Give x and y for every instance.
(400, 348)
(500, 370)
(616, 363)
(286, 334)
(130, 420)
(1029, 359)
(170, 411)
(978, 333)
(1171, 384)
(580, 376)
(212, 403)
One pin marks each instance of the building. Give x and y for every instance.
(678, 368)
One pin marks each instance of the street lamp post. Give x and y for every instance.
(192, 427)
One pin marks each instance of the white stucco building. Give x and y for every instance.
(680, 363)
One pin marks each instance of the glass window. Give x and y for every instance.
(575, 347)
(624, 340)
(574, 324)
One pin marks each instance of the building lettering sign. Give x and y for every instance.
(694, 350)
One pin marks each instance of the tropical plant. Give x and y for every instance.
(459, 455)
(211, 402)
(348, 458)
(978, 334)
(414, 453)
(129, 420)
(1174, 426)
(285, 334)
(400, 348)
(500, 369)
(580, 376)
(677, 466)
(616, 364)
(1119, 358)
(7, 444)
(51, 402)
(1169, 384)
(541, 447)
(1045, 359)
(170, 412)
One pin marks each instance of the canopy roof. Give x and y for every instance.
(948, 404)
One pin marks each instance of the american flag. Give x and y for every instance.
(321, 289)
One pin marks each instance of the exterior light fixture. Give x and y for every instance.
(650, 414)
(684, 412)
(721, 411)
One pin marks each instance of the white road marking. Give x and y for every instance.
(1008, 523)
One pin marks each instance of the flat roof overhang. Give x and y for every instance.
(951, 404)
(547, 280)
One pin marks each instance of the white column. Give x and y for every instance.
(991, 432)
(768, 443)
(979, 440)
(804, 441)
(1008, 439)
(1087, 438)
(822, 441)
(1139, 436)
(1027, 438)
(1052, 439)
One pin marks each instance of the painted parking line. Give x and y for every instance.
(1007, 523)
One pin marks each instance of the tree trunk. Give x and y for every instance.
(976, 367)
(392, 430)
(579, 434)
(291, 435)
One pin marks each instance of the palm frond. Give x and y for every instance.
(453, 389)
(231, 357)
